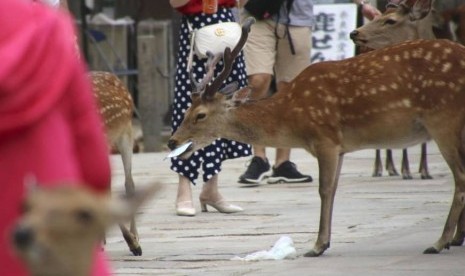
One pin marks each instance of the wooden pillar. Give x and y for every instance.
(155, 79)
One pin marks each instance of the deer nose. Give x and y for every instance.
(353, 34)
(172, 144)
(23, 236)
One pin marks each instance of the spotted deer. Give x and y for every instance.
(116, 107)
(336, 107)
(61, 227)
(407, 20)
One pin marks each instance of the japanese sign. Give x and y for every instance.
(331, 40)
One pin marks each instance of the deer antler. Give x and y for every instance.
(198, 87)
(228, 60)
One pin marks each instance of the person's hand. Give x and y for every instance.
(370, 12)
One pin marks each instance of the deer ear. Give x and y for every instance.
(241, 96)
(420, 9)
(123, 209)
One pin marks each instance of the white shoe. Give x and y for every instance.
(185, 208)
(221, 206)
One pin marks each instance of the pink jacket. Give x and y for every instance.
(49, 124)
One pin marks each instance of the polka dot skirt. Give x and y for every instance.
(210, 157)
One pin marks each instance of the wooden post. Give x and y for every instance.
(155, 79)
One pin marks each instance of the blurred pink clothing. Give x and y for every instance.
(49, 123)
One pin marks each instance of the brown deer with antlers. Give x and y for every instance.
(116, 107)
(336, 107)
(410, 19)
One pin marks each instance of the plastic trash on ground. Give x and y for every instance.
(282, 249)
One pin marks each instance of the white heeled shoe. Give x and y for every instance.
(220, 206)
(185, 208)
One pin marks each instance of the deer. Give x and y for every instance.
(80, 218)
(336, 107)
(116, 108)
(407, 20)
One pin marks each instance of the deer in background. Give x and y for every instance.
(336, 107)
(67, 245)
(408, 20)
(116, 107)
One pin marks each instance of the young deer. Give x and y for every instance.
(116, 107)
(336, 107)
(410, 19)
(62, 226)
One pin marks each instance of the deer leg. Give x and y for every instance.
(424, 163)
(129, 238)
(460, 231)
(390, 164)
(405, 165)
(329, 163)
(125, 147)
(454, 154)
(378, 167)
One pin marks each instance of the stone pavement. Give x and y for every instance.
(380, 225)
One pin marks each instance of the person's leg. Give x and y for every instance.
(288, 66)
(212, 197)
(184, 204)
(259, 53)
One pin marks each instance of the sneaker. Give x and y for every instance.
(287, 173)
(258, 169)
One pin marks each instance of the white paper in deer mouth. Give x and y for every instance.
(179, 150)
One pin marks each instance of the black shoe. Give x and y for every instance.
(287, 173)
(257, 170)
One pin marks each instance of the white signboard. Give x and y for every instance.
(331, 40)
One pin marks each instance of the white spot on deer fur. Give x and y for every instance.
(447, 50)
(386, 58)
(428, 55)
(440, 83)
(436, 45)
(307, 93)
(406, 103)
(446, 67)
(373, 91)
(397, 58)
(312, 78)
(394, 86)
(293, 85)
(383, 88)
(298, 109)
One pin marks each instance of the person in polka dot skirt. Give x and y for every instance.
(209, 159)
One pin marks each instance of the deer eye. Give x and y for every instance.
(390, 22)
(84, 216)
(200, 116)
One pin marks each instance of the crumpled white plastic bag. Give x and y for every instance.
(282, 249)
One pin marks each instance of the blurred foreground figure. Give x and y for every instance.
(49, 126)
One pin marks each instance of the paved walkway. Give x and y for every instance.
(380, 225)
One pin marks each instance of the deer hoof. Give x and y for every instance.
(407, 177)
(377, 174)
(137, 251)
(393, 173)
(457, 242)
(316, 253)
(431, 250)
(427, 176)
